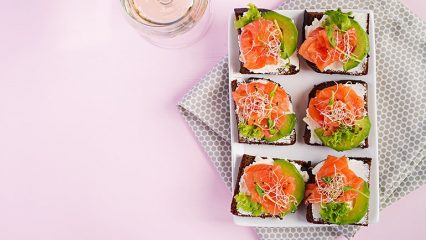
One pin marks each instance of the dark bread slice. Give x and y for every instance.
(307, 21)
(246, 160)
(308, 133)
(309, 214)
(281, 71)
(242, 139)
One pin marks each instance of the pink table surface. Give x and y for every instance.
(91, 143)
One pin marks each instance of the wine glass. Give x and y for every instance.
(169, 23)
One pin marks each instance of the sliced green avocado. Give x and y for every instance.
(360, 207)
(289, 30)
(285, 130)
(346, 138)
(361, 49)
(290, 170)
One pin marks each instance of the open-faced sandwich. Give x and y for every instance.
(264, 112)
(339, 191)
(337, 115)
(267, 187)
(336, 42)
(267, 42)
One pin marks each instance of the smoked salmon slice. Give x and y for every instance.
(268, 186)
(260, 43)
(318, 50)
(336, 105)
(331, 179)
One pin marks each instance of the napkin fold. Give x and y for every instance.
(401, 103)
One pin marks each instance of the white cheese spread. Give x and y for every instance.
(282, 63)
(304, 174)
(312, 125)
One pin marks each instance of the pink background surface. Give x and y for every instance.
(91, 143)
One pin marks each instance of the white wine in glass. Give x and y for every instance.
(169, 23)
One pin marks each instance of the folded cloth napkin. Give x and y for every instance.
(401, 98)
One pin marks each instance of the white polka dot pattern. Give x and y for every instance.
(401, 98)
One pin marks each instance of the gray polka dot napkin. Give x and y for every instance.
(401, 98)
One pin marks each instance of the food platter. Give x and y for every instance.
(298, 87)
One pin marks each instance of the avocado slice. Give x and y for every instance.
(360, 207)
(285, 130)
(346, 138)
(361, 49)
(290, 170)
(288, 29)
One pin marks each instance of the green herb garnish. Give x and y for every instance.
(272, 94)
(336, 19)
(270, 123)
(250, 131)
(252, 14)
(349, 188)
(259, 190)
(245, 203)
(334, 212)
(326, 179)
(331, 102)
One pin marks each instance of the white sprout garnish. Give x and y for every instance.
(338, 112)
(331, 190)
(260, 104)
(275, 193)
(343, 55)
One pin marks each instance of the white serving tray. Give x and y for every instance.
(299, 86)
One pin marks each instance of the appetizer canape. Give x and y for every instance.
(267, 42)
(267, 187)
(264, 112)
(339, 192)
(336, 42)
(337, 115)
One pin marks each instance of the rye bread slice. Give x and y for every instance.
(307, 21)
(309, 214)
(281, 71)
(308, 133)
(242, 139)
(246, 160)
